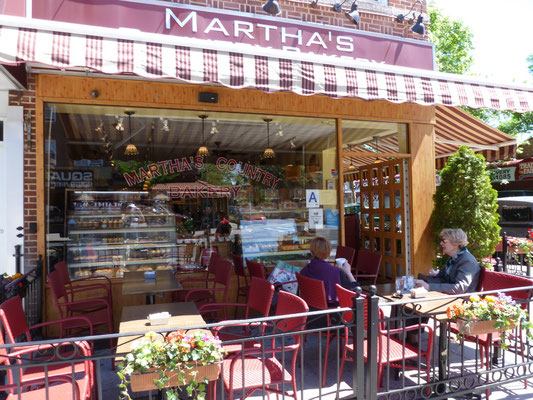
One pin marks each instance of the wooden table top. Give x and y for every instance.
(437, 307)
(134, 283)
(135, 319)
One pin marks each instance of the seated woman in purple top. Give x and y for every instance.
(320, 269)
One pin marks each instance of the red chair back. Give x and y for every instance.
(223, 272)
(289, 303)
(61, 267)
(239, 265)
(260, 296)
(368, 263)
(345, 252)
(345, 300)
(59, 293)
(14, 319)
(493, 280)
(255, 269)
(313, 292)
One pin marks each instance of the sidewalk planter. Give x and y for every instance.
(475, 328)
(145, 381)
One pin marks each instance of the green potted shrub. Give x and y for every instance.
(465, 199)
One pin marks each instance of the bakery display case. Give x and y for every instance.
(113, 232)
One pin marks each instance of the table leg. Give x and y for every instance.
(150, 299)
(443, 356)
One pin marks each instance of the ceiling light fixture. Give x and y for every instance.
(119, 126)
(418, 27)
(214, 128)
(165, 127)
(269, 153)
(351, 167)
(272, 7)
(202, 150)
(280, 130)
(131, 149)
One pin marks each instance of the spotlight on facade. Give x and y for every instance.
(272, 7)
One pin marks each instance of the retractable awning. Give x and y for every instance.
(455, 127)
(156, 56)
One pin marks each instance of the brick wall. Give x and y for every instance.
(375, 18)
(26, 99)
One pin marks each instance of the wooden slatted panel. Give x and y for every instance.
(383, 215)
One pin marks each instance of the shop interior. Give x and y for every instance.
(142, 189)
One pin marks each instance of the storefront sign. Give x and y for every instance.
(71, 179)
(525, 170)
(502, 174)
(312, 198)
(316, 218)
(177, 165)
(166, 18)
(193, 192)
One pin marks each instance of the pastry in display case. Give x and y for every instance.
(115, 232)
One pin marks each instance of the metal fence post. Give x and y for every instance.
(372, 345)
(358, 334)
(504, 252)
(18, 257)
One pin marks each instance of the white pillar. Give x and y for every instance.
(11, 183)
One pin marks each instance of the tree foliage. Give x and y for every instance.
(453, 42)
(465, 199)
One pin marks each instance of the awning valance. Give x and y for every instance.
(155, 56)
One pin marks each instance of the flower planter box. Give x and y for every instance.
(480, 327)
(145, 381)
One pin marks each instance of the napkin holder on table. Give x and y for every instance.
(418, 293)
(149, 274)
(160, 318)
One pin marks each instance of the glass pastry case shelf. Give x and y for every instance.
(100, 246)
(123, 230)
(122, 262)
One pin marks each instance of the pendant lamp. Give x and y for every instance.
(269, 153)
(131, 149)
(202, 150)
(351, 167)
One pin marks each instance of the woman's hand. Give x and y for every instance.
(421, 283)
(347, 268)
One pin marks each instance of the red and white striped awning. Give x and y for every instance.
(155, 56)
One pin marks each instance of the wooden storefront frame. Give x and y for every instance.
(114, 91)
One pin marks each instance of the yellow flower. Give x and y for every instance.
(150, 334)
(490, 299)
(475, 298)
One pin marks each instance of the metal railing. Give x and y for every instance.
(454, 366)
(29, 288)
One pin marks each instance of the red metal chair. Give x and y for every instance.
(367, 265)
(207, 296)
(258, 305)
(256, 369)
(391, 351)
(16, 327)
(345, 252)
(242, 290)
(67, 386)
(90, 284)
(314, 294)
(98, 318)
(206, 282)
(256, 269)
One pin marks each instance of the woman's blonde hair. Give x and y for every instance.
(320, 247)
(455, 236)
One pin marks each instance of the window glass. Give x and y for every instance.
(163, 189)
